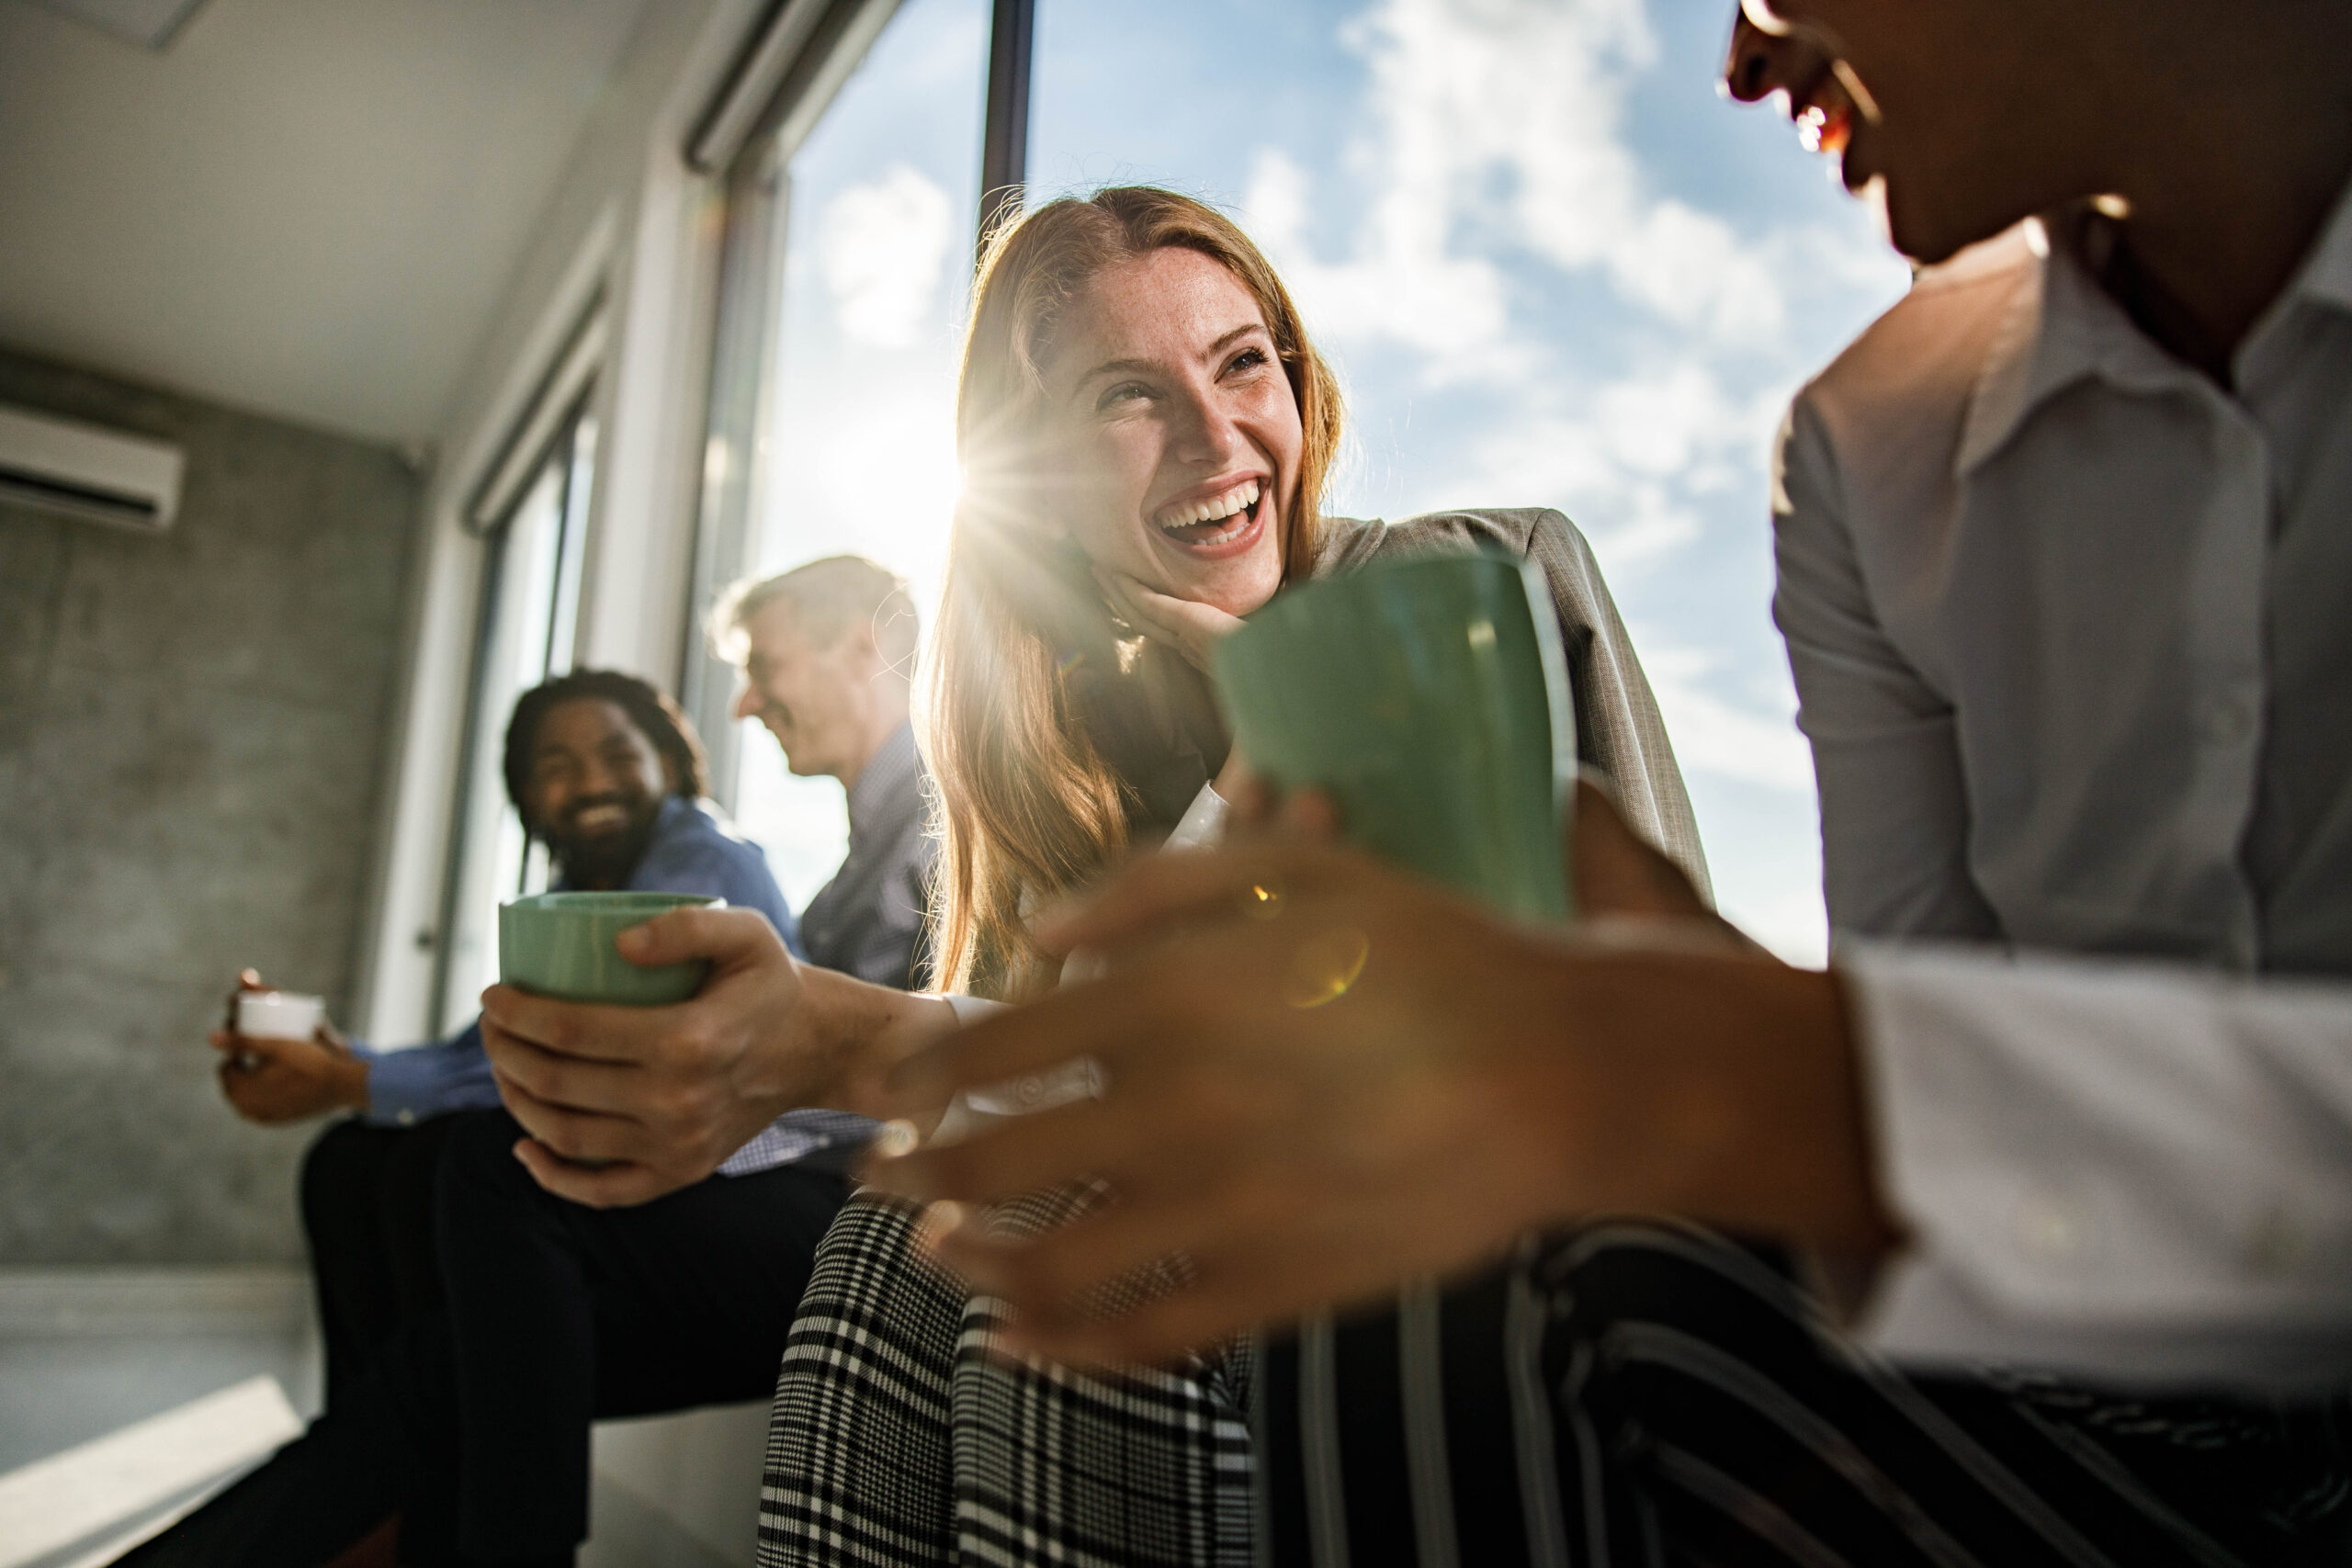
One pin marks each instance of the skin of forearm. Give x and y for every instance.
(860, 1032)
(1724, 1089)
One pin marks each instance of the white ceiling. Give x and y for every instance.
(304, 207)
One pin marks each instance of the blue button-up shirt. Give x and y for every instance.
(694, 850)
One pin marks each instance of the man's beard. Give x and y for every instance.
(603, 859)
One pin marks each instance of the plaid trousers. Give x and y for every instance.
(903, 1437)
(1622, 1394)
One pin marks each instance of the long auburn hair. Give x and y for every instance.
(1028, 806)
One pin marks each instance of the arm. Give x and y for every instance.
(407, 1086)
(1885, 754)
(1384, 1081)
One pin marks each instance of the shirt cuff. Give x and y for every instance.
(969, 1009)
(1203, 824)
(401, 1085)
(2066, 1145)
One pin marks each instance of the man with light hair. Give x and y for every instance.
(828, 651)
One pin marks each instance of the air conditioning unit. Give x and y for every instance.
(89, 472)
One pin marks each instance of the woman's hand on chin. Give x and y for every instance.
(1186, 624)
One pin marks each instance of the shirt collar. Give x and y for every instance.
(2326, 276)
(2060, 328)
(2063, 327)
(882, 779)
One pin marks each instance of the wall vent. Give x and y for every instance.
(87, 472)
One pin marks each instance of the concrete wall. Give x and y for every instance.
(192, 742)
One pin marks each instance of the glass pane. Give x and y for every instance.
(1554, 269)
(856, 444)
(530, 607)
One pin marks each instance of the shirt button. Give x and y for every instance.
(2230, 721)
(2276, 1244)
(2048, 1227)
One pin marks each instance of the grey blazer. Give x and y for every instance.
(1619, 731)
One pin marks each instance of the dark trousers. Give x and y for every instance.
(368, 1199)
(1651, 1397)
(473, 1423)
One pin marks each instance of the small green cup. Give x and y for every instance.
(1430, 699)
(561, 944)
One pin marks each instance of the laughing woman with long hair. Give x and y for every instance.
(1146, 432)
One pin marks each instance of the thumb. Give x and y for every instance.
(726, 937)
(1615, 871)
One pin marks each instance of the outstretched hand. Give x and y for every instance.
(273, 1081)
(625, 1104)
(1326, 1078)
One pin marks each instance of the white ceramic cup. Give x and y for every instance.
(278, 1015)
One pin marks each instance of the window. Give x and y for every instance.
(867, 228)
(530, 596)
(1552, 266)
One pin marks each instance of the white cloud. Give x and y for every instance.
(1757, 745)
(1488, 115)
(884, 248)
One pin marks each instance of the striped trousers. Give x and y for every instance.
(1644, 1395)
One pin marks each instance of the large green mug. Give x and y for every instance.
(1430, 699)
(561, 944)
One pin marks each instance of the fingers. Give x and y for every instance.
(1019, 1040)
(567, 1132)
(1149, 893)
(1063, 1275)
(589, 1030)
(1066, 1143)
(554, 1079)
(1614, 871)
(726, 937)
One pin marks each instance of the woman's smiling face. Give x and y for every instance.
(1172, 436)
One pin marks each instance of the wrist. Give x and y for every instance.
(859, 1032)
(1724, 1089)
(348, 1078)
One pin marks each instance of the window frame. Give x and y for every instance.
(756, 184)
(560, 448)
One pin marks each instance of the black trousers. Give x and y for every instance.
(368, 1200)
(1650, 1397)
(473, 1422)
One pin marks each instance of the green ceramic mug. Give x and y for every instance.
(1430, 699)
(561, 944)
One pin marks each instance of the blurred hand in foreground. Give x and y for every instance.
(272, 1081)
(1326, 1078)
(625, 1103)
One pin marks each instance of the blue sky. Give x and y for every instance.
(1552, 266)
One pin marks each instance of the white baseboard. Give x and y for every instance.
(38, 1300)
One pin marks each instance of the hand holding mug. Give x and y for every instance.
(658, 1096)
(272, 1080)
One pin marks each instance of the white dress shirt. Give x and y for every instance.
(2072, 632)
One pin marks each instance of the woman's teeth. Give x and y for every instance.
(1206, 521)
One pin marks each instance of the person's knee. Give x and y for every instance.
(339, 1177)
(478, 1167)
